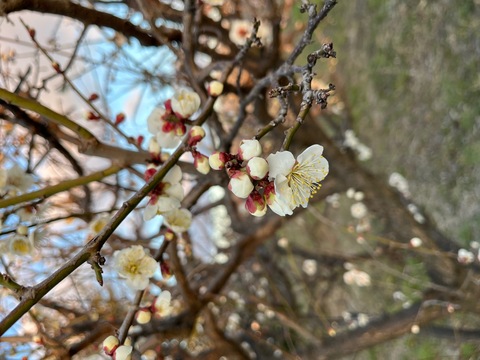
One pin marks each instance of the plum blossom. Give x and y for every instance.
(465, 257)
(21, 245)
(215, 88)
(167, 195)
(297, 180)
(240, 31)
(162, 305)
(356, 277)
(256, 204)
(358, 210)
(240, 184)
(249, 149)
(185, 103)
(167, 128)
(136, 265)
(15, 181)
(98, 223)
(178, 220)
(257, 168)
(143, 316)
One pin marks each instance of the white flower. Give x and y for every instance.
(178, 220)
(15, 181)
(415, 329)
(167, 195)
(153, 146)
(240, 31)
(240, 184)
(201, 163)
(162, 304)
(309, 267)
(21, 244)
(399, 182)
(249, 149)
(98, 223)
(185, 103)
(358, 210)
(256, 204)
(296, 181)
(415, 242)
(356, 277)
(166, 127)
(123, 352)
(465, 256)
(257, 168)
(136, 265)
(276, 203)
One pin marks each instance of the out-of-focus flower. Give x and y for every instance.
(136, 265)
(123, 352)
(167, 195)
(363, 152)
(399, 182)
(257, 168)
(309, 267)
(162, 306)
(358, 210)
(21, 245)
(297, 180)
(240, 31)
(415, 242)
(98, 223)
(215, 88)
(185, 103)
(240, 184)
(256, 204)
(415, 329)
(15, 181)
(465, 257)
(249, 149)
(178, 220)
(214, 2)
(143, 316)
(110, 344)
(356, 277)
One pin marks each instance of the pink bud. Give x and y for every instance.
(217, 160)
(240, 184)
(195, 134)
(110, 344)
(200, 162)
(249, 149)
(269, 193)
(257, 168)
(255, 204)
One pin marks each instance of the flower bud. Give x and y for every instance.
(217, 160)
(240, 184)
(153, 146)
(195, 134)
(215, 88)
(22, 230)
(257, 168)
(123, 352)
(119, 118)
(200, 162)
(184, 103)
(110, 344)
(249, 149)
(255, 204)
(143, 316)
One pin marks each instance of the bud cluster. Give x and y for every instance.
(248, 173)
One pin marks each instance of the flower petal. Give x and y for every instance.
(280, 163)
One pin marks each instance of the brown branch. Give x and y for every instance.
(88, 16)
